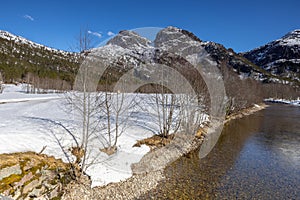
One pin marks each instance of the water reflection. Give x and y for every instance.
(256, 157)
(281, 133)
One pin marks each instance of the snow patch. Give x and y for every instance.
(284, 101)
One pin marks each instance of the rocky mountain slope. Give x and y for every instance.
(280, 57)
(128, 51)
(276, 62)
(169, 44)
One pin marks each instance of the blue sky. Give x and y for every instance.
(241, 25)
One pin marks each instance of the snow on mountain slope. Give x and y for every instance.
(288, 46)
(279, 57)
(21, 40)
(291, 39)
(130, 40)
(174, 39)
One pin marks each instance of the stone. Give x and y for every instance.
(8, 171)
(36, 192)
(25, 178)
(32, 177)
(17, 194)
(30, 186)
(54, 193)
(5, 198)
(28, 165)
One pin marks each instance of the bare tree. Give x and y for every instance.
(30, 79)
(115, 111)
(84, 104)
(183, 107)
(172, 105)
(242, 92)
(192, 113)
(1, 83)
(280, 91)
(102, 115)
(112, 112)
(167, 118)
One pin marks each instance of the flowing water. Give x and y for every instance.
(256, 157)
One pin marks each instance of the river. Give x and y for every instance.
(256, 157)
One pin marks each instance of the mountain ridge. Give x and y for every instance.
(10, 36)
(280, 57)
(16, 51)
(22, 60)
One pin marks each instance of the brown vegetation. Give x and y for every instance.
(13, 158)
(280, 91)
(155, 141)
(241, 93)
(109, 150)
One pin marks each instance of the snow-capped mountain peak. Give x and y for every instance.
(294, 33)
(21, 40)
(177, 40)
(292, 38)
(130, 40)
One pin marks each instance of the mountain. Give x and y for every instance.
(280, 58)
(180, 50)
(127, 50)
(172, 40)
(168, 39)
(130, 40)
(277, 61)
(47, 68)
(20, 57)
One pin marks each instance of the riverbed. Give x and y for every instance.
(256, 157)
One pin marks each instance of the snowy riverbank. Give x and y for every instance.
(284, 101)
(27, 125)
(32, 122)
(146, 180)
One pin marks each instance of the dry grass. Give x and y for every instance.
(109, 150)
(155, 141)
(201, 132)
(35, 159)
(245, 112)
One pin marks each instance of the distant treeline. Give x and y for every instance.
(244, 92)
(241, 92)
